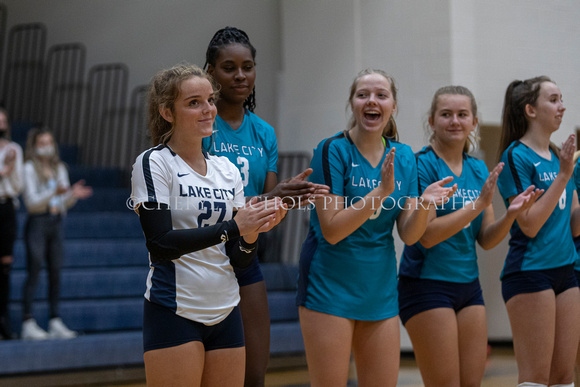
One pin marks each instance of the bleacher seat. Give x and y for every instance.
(102, 285)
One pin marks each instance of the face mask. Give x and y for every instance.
(45, 151)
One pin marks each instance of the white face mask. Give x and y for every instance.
(45, 151)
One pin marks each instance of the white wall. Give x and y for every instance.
(493, 43)
(325, 43)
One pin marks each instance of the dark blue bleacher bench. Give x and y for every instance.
(102, 285)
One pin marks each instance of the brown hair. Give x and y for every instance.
(455, 90)
(390, 130)
(514, 119)
(163, 91)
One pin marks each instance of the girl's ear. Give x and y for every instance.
(166, 113)
(530, 111)
(210, 69)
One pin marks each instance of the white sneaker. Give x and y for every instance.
(57, 330)
(31, 331)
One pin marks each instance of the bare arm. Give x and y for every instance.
(337, 222)
(444, 227)
(295, 191)
(493, 232)
(531, 221)
(575, 216)
(412, 220)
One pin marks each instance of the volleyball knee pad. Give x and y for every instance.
(530, 384)
(562, 385)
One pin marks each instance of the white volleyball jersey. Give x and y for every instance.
(200, 286)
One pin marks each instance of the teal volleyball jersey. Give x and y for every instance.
(454, 259)
(553, 245)
(252, 148)
(357, 277)
(577, 185)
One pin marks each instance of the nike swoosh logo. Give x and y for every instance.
(538, 163)
(182, 174)
(355, 165)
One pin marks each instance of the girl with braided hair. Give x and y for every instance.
(539, 287)
(250, 143)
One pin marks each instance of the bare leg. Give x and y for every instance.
(533, 321)
(434, 335)
(224, 367)
(472, 328)
(175, 366)
(567, 336)
(377, 352)
(256, 318)
(328, 342)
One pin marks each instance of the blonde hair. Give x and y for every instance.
(473, 139)
(390, 130)
(163, 92)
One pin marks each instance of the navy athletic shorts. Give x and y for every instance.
(162, 328)
(558, 279)
(249, 275)
(418, 295)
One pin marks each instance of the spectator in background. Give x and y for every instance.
(47, 196)
(10, 187)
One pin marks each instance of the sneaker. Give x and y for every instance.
(57, 329)
(31, 331)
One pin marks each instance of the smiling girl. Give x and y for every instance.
(250, 143)
(192, 327)
(440, 297)
(347, 292)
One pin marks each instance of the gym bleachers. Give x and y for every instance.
(103, 281)
(99, 126)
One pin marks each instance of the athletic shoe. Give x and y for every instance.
(57, 329)
(31, 331)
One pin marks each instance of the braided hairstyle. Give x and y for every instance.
(225, 36)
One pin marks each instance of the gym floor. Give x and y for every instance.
(501, 371)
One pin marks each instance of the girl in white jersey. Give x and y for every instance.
(191, 208)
